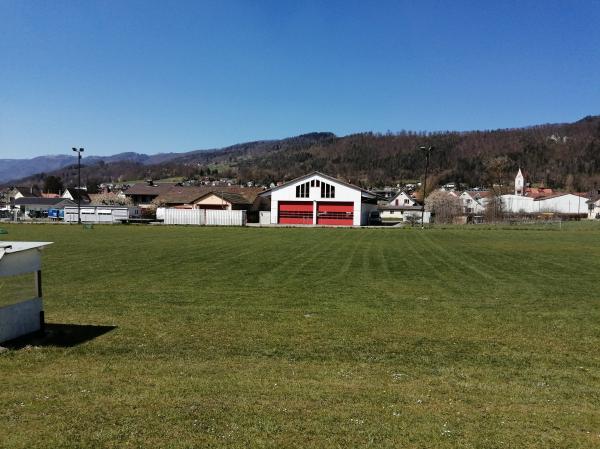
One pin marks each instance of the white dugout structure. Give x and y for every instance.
(21, 306)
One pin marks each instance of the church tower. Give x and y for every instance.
(519, 184)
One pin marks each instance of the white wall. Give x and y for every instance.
(564, 204)
(101, 214)
(477, 206)
(399, 215)
(343, 193)
(20, 319)
(516, 204)
(207, 217)
(264, 217)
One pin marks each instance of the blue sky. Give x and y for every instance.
(146, 76)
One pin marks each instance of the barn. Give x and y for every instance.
(319, 199)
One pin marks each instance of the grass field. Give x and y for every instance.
(248, 337)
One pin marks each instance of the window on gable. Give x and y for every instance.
(327, 190)
(303, 190)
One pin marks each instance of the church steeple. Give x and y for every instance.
(520, 183)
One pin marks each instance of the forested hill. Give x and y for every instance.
(556, 155)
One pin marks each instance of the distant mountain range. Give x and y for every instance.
(562, 155)
(15, 169)
(18, 171)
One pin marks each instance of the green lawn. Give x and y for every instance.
(248, 337)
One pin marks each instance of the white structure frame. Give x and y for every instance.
(24, 317)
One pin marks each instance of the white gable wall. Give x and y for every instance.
(343, 193)
(402, 199)
(468, 201)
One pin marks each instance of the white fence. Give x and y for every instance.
(207, 217)
(101, 214)
(184, 216)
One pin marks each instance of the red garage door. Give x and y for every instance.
(335, 214)
(295, 212)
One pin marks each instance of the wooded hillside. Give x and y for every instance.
(563, 156)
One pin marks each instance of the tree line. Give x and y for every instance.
(562, 156)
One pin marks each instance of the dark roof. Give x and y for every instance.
(181, 194)
(28, 191)
(331, 178)
(76, 193)
(233, 198)
(188, 195)
(147, 189)
(43, 201)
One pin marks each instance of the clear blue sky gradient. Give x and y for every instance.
(146, 76)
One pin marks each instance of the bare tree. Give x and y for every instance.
(444, 206)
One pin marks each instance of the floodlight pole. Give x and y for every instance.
(427, 151)
(78, 151)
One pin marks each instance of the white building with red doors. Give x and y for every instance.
(318, 199)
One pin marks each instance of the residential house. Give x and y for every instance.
(76, 195)
(402, 207)
(212, 197)
(473, 202)
(37, 207)
(24, 192)
(143, 194)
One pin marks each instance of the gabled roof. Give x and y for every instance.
(537, 192)
(558, 194)
(27, 191)
(401, 192)
(478, 194)
(232, 198)
(43, 201)
(364, 192)
(76, 194)
(147, 189)
(191, 194)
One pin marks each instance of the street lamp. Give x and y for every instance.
(78, 151)
(427, 151)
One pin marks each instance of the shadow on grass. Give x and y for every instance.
(61, 335)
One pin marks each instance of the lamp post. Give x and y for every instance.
(78, 151)
(427, 151)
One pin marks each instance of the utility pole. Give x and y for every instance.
(427, 151)
(78, 151)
